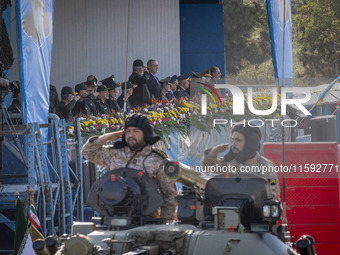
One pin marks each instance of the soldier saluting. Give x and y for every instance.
(245, 144)
(84, 105)
(135, 150)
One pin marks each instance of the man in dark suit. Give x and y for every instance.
(139, 76)
(153, 83)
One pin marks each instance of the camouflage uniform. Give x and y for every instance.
(255, 161)
(111, 159)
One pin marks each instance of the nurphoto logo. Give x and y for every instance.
(238, 104)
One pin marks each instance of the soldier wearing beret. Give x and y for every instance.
(133, 149)
(124, 97)
(245, 144)
(65, 106)
(100, 101)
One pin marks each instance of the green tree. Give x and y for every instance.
(318, 33)
(247, 41)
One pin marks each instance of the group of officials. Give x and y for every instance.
(93, 98)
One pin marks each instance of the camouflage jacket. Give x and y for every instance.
(152, 160)
(258, 160)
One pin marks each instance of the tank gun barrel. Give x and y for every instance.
(184, 174)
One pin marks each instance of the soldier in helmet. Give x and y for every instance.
(133, 149)
(245, 144)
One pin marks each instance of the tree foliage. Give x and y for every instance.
(318, 33)
(246, 35)
(315, 35)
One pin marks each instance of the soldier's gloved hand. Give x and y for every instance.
(218, 149)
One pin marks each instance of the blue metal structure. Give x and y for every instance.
(55, 197)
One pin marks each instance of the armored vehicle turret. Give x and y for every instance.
(223, 214)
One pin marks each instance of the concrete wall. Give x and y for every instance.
(90, 37)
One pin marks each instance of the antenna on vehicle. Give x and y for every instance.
(284, 221)
(126, 60)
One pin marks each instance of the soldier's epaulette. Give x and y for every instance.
(160, 153)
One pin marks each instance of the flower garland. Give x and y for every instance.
(174, 116)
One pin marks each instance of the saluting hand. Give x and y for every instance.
(218, 149)
(114, 136)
